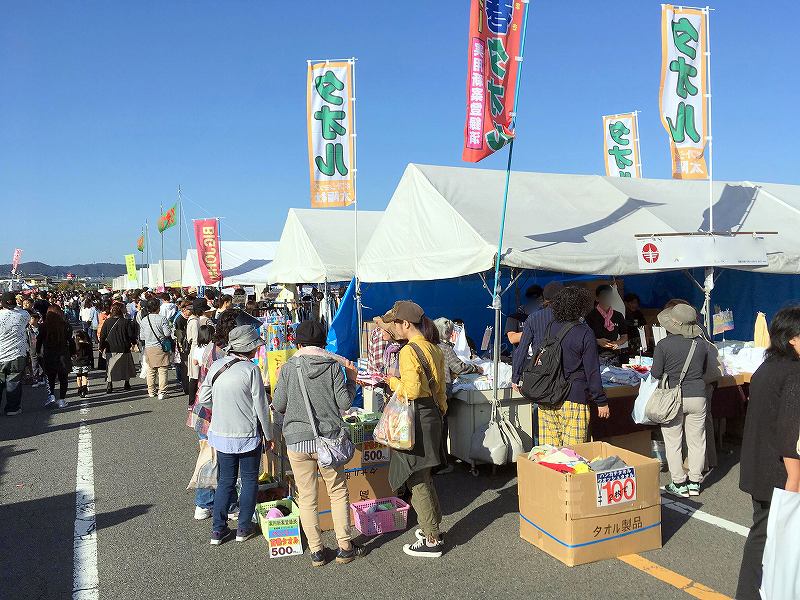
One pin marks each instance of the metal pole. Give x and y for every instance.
(708, 287)
(354, 167)
(147, 247)
(496, 300)
(161, 231)
(221, 272)
(709, 137)
(180, 232)
(636, 141)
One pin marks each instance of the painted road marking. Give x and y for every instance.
(700, 515)
(84, 542)
(698, 590)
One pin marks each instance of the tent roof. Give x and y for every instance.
(243, 263)
(443, 222)
(316, 245)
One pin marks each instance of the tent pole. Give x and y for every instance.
(180, 233)
(708, 287)
(147, 247)
(354, 166)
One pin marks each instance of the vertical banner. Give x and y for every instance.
(621, 145)
(330, 126)
(495, 28)
(15, 260)
(130, 265)
(206, 237)
(684, 86)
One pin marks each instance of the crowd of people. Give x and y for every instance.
(211, 344)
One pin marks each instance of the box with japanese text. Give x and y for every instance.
(283, 534)
(586, 517)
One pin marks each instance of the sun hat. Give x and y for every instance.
(243, 339)
(311, 333)
(404, 310)
(681, 319)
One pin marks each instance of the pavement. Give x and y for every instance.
(149, 546)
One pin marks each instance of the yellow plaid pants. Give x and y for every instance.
(563, 424)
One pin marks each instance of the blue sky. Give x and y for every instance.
(106, 107)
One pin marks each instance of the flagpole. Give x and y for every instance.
(708, 286)
(161, 231)
(636, 141)
(496, 300)
(141, 279)
(147, 248)
(180, 233)
(354, 167)
(219, 235)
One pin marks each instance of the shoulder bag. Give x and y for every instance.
(664, 403)
(331, 453)
(166, 343)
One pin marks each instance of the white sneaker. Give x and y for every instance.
(151, 395)
(51, 399)
(201, 513)
(161, 396)
(62, 403)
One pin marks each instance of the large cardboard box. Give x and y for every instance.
(638, 442)
(583, 518)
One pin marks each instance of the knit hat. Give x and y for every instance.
(311, 333)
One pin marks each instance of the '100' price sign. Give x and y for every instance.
(615, 487)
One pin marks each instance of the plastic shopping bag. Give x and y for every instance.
(396, 425)
(145, 368)
(646, 389)
(206, 470)
(782, 553)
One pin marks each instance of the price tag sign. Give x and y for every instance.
(616, 487)
(374, 453)
(284, 537)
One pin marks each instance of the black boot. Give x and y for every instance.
(127, 385)
(109, 388)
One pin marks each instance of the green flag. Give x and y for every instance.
(168, 219)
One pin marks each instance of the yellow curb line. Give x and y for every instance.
(672, 578)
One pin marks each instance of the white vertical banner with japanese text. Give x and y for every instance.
(684, 89)
(330, 106)
(621, 145)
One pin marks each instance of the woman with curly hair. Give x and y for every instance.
(567, 423)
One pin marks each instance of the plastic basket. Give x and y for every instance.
(382, 521)
(362, 431)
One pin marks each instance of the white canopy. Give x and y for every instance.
(317, 245)
(243, 263)
(443, 222)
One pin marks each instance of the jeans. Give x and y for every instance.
(63, 380)
(181, 374)
(751, 570)
(232, 466)
(204, 498)
(11, 372)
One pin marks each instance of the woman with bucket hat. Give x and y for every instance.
(683, 358)
(240, 420)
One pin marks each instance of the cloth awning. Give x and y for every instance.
(243, 263)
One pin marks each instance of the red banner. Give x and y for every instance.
(15, 260)
(495, 29)
(206, 237)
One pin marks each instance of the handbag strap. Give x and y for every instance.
(149, 322)
(224, 368)
(425, 365)
(686, 364)
(306, 400)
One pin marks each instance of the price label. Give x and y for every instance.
(374, 453)
(284, 542)
(616, 487)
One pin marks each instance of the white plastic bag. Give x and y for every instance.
(646, 389)
(781, 561)
(396, 427)
(145, 368)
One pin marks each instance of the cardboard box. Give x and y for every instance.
(583, 518)
(638, 442)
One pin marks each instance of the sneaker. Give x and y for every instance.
(151, 394)
(109, 388)
(344, 557)
(681, 490)
(233, 513)
(421, 536)
(62, 403)
(217, 537)
(14, 413)
(161, 396)
(693, 488)
(201, 513)
(51, 399)
(245, 533)
(421, 549)
(318, 558)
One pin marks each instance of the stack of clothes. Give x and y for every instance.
(566, 460)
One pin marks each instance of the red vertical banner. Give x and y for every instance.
(495, 29)
(16, 259)
(206, 237)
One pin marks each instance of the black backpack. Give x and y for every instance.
(543, 378)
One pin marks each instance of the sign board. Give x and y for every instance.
(689, 251)
(615, 487)
(374, 453)
(723, 321)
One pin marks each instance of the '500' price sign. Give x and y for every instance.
(615, 487)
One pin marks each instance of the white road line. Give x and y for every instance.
(700, 515)
(84, 543)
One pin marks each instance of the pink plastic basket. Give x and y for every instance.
(382, 521)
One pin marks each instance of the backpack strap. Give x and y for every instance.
(564, 330)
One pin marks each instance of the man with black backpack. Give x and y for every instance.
(563, 375)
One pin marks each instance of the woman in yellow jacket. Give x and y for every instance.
(421, 381)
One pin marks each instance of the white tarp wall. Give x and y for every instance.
(443, 222)
(166, 271)
(317, 245)
(243, 263)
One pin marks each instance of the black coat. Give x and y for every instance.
(56, 356)
(771, 427)
(118, 335)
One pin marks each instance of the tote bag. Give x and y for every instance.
(664, 403)
(781, 561)
(646, 389)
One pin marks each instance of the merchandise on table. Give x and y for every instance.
(611, 375)
(484, 382)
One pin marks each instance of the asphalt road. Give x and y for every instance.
(150, 547)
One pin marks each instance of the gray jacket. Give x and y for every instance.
(327, 390)
(238, 400)
(161, 328)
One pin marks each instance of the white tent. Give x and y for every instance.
(443, 222)
(164, 272)
(317, 245)
(243, 263)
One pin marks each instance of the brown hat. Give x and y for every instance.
(404, 310)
